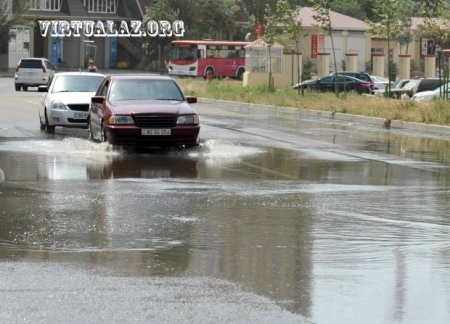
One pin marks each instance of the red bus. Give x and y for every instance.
(200, 57)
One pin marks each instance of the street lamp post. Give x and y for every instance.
(438, 51)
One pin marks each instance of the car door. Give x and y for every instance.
(326, 83)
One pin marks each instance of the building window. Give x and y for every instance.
(54, 5)
(105, 6)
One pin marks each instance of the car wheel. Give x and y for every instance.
(89, 130)
(25, 88)
(102, 134)
(353, 91)
(48, 129)
(42, 126)
(18, 87)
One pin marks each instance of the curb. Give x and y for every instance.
(296, 112)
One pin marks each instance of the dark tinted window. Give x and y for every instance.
(327, 79)
(428, 84)
(31, 64)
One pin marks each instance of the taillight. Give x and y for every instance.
(44, 69)
(17, 68)
(365, 85)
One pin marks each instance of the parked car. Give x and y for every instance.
(380, 83)
(33, 72)
(345, 83)
(66, 102)
(358, 75)
(143, 110)
(399, 85)
(415, 86)
(440, 92)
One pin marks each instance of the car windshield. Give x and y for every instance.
(145, 90)
(76, 83)
(410, 85)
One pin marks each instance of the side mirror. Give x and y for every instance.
(98, 99)
(191, 100)
(42, 88)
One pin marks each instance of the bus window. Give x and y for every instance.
(211, 51)
(201, 54)
(183, 53)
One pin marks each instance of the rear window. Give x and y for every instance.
(31, 64)
(428, 84)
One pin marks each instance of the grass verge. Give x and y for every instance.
(430, 112)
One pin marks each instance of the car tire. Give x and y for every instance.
(48, 129)
(25, 88)
(353, 91)
(103, 137)
(90, 133)
(18, 87)
(42, 126)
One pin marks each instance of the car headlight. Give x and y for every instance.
(188, 119)
(58, 105)
(120, 120)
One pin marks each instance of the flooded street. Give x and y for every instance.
(271, 220)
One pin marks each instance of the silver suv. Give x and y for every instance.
(33, 72)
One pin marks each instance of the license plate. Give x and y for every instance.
(150, 132)
(80, 115)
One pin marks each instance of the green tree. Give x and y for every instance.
(352, 8)
(387, 25)
(270, 36)
(202, 18)
(11, 14)
(436, 25)
(161, 10)
(407, 9)
(292, 28)
(322, 19)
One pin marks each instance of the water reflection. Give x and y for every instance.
(308, 228)
(144, 166)
(2, 178)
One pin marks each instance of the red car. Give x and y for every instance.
(143, 110)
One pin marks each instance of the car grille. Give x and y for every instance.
(155, 120)
(79, 107)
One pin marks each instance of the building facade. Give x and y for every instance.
(75, 51)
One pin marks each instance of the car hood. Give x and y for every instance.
(126, 107)
(72, 97)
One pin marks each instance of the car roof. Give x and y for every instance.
(33, 59)
(80, 73)
(139, 77)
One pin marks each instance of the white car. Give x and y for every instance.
(33, 72)
(380, 83)
(432, 94)
(66, 101)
